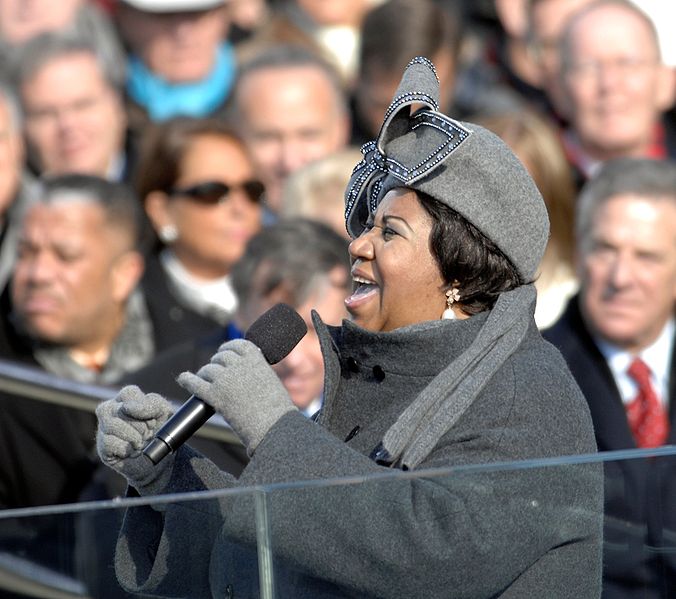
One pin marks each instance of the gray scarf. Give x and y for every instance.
(438, 407)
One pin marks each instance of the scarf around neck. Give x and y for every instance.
(163, 100)
(439, 405)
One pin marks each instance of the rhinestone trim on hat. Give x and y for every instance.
(409, 98)
(427, 62)
(367, 178)
(376, 164)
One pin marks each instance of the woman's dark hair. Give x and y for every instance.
(464, 254)
(166, 144)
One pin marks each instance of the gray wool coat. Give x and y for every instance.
(515, 533)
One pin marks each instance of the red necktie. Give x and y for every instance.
(647, 418)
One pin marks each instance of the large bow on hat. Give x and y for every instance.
(433, 134)
(461, 165)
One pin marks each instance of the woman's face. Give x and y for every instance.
(396, 279)
(212, 236)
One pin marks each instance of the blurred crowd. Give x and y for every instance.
(170, 169)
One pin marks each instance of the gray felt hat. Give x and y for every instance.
(462, 165)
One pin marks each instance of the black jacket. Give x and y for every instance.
(173, 322)
(640, 494)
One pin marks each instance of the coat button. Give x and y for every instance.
(381, 456)
(378, 373)
(352, 364)
(229, 591)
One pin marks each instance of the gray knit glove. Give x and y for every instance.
(126, 424)
(241, 386)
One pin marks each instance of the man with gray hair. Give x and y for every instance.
(617, 336)
(71, 95)
(291, 110)
(615, 86)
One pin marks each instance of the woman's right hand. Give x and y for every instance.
(126, 424)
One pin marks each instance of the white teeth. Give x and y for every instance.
(360, 280)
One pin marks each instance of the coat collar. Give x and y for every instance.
(400, 351)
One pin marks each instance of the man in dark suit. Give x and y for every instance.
(617, 336)
(70, 309)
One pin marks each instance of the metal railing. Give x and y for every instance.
(32, 382)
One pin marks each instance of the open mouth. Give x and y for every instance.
(363, 289)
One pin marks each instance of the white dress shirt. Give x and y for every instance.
(657, 356)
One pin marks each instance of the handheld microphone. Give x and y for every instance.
(275, 333)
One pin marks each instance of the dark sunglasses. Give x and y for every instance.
(214, 192)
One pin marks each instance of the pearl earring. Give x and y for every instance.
(168, 234)
(452, 296)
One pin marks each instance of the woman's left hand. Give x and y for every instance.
(241, 386)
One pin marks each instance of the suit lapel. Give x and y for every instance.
(595, 379)
(671, 440)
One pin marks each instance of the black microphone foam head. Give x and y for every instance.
(277, 332)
